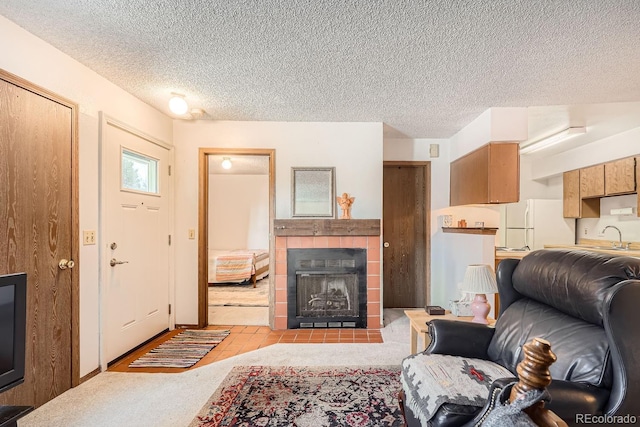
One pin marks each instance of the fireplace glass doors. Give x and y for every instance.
(326, 288)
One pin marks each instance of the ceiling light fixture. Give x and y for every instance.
(554, 139)
(177, 104)
(226, 163)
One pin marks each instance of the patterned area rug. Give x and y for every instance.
(182, 351)
(304, 397)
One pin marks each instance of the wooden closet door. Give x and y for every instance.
(405, 223)
(37, 231)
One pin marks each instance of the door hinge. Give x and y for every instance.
(169, 308)
(169, 239)
(169, 170)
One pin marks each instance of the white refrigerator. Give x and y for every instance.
(534, 223)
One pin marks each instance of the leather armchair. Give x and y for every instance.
(585, 304)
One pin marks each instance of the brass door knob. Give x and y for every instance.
(64, 264)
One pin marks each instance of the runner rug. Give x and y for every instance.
(183, 350)
(304, 397)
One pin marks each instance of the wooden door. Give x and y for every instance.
(405, 229)
(136, 230)
(38, 229)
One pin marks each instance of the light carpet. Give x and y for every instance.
(113, 399)
(305, 396)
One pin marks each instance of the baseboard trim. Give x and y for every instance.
(117, 359)
(90, 375)
(185, 326)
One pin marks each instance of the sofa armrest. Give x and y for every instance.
(620, 320)
(570, 398)
(456, 338)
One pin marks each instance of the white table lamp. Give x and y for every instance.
(479, 279)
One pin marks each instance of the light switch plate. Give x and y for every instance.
(89, 237)
(434, 150)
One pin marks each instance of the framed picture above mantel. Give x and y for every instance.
(313, 192)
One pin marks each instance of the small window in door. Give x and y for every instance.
(139, 172)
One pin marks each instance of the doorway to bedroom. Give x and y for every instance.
(236, 214)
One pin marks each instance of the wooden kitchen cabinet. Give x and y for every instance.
(571, 194)
(620, 177)
(574, 206)
(490, 174)
(592, 181)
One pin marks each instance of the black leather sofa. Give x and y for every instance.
(587, 305)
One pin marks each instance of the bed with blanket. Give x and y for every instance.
(238, 266)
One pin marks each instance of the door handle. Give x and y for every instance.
(385, 244)
(115, 262)
(64, 264)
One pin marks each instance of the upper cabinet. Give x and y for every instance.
(592, 181)
(574, 205)
(620, 177)
(490, 174)
(583, 188)
(571, 194)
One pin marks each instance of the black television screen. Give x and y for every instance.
(13, 325)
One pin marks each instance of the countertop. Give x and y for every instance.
(502, 254)
(631, 252)
(600, 246)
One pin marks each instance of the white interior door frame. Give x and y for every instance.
(103, 250)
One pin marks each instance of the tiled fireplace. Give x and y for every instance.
(333, 280)
(326, 288)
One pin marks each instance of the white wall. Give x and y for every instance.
(549, 170)
(624, 144)
(38, 62)
(494, 125)
(451, 253)
(238, 211)
(629, 225)
(354, 149)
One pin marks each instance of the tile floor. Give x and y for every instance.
(244, 339)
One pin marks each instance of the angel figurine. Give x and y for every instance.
(345, 203)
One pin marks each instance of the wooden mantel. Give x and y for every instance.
(326, 227)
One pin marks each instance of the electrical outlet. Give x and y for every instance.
(192, 234)
(586, 231)
(89, 237)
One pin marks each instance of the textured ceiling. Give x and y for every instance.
(423, 68)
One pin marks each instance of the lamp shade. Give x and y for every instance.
(479, 279)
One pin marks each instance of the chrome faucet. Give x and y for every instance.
(619, 234)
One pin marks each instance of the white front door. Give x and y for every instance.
(136, 239)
